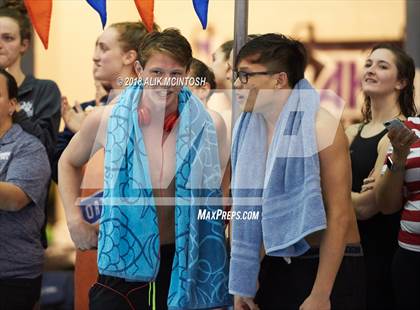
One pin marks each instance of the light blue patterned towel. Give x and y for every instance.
(129, 234)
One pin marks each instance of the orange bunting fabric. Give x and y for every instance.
(40, 15)
(145, 8)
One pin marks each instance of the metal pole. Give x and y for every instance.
(240, 34)
(240, 26)
(412, 42)
(239, 39)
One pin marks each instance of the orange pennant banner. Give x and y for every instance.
(145, 8)
(40, 15)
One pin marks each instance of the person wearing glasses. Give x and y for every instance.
(286, 155)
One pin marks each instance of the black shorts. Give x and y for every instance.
(19, 294)
(116, 293)
(285, 286)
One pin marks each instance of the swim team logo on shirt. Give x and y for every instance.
(4, 155)
(27, 106)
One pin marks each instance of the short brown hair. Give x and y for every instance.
(278, 53)
(131, 34)
(201, 70)
(170, 41)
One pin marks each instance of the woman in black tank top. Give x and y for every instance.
(381, 83)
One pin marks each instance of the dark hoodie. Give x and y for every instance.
(40, 113)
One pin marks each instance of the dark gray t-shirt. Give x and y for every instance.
(24, 163)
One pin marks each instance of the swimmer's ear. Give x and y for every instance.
(138, 68)
(282, 80)
(401, 84)
(24, 45)
(129, 57)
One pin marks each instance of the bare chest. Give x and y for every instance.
(161, 154)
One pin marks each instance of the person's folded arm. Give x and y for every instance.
(389, 193)
(364, 203)
(12, 197)
(27, 176)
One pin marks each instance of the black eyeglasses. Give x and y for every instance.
(243, 75)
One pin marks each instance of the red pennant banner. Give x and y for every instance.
(145, 8)
(40, 14)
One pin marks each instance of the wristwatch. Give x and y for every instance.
(392, 166)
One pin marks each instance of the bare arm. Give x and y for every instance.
(12, 197)
(84, 144)
(221, 132)
(224, 153)
(336, 187)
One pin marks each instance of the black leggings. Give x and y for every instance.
(406, 278)
(112, 293)
(19, 294)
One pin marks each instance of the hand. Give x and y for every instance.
(245, 303)
(368, 184)
(73, 117)
(401, 139)
(84, 235)
(316, 302)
